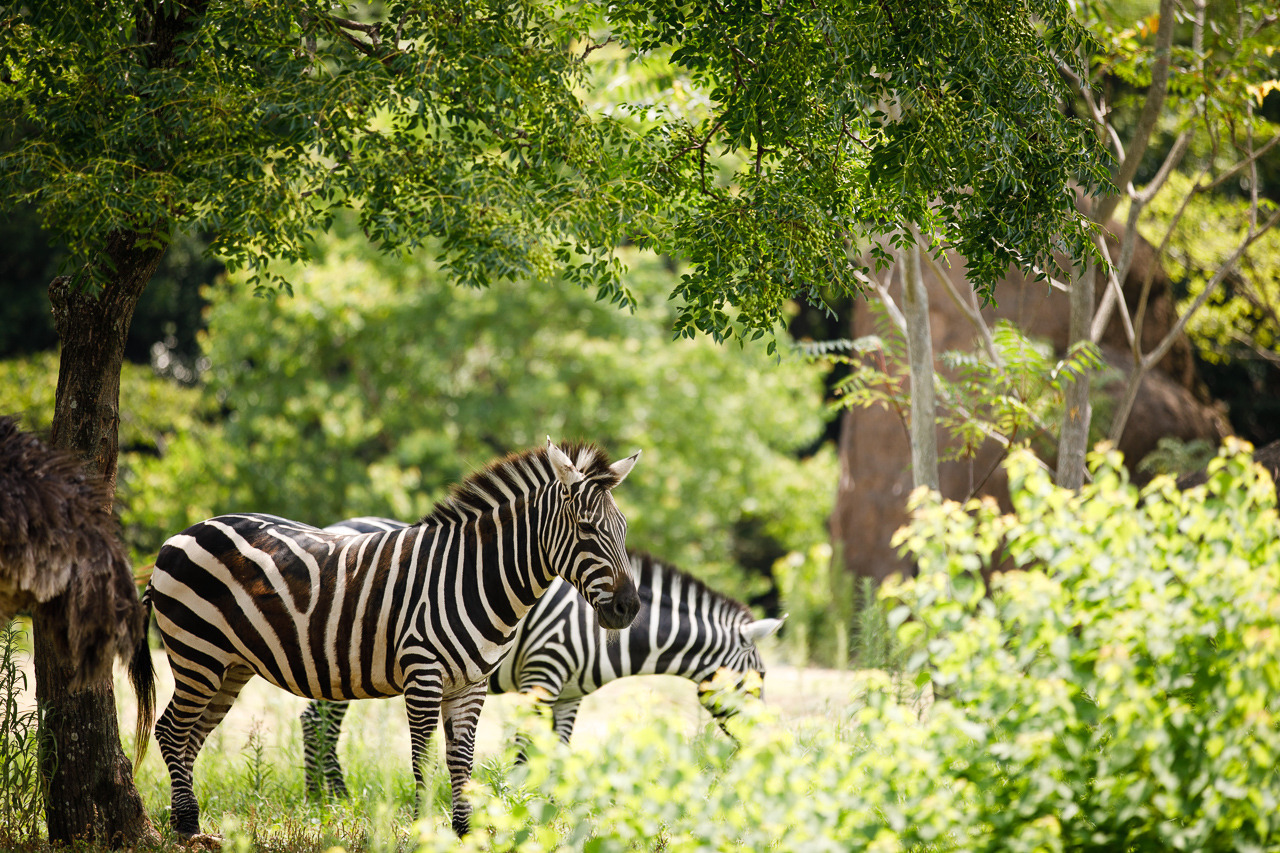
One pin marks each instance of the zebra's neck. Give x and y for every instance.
(685, 623)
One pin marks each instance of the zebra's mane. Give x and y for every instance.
(517, 475)
(650, 567)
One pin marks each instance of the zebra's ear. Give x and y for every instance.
(623, 466)
(563, 465)
(762, 628)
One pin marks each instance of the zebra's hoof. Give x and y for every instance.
(202, 841)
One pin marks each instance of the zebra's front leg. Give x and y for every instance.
(544, 697)
(460, 713)
(422, 694)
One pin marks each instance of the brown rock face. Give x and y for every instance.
(875, 472)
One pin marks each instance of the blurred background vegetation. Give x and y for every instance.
(377, 382)
(376, 385)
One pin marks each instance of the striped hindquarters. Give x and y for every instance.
(315, 613)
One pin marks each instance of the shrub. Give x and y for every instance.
(1118, 691)
(1123, 688)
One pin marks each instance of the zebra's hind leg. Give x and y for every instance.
(460, 713)
(197, 706)
(321, 723)
(564, 714)
(232, 683)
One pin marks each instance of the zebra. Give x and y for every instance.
(560, 654)
(427, 610)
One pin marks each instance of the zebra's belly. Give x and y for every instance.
(333, 688)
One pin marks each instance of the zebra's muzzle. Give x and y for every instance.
(621, 609)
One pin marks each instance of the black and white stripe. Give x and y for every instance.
(428, 610)
(560, 653)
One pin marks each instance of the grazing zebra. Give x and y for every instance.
(560, 653)
(427, 610)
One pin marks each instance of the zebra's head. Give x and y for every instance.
(736, 666)
(589, 548)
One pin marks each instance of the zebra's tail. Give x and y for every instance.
(142, 675)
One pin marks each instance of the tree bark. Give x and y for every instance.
(90, 794)
(1073, 440)
(924, 407)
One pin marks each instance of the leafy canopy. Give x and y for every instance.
(486, 127)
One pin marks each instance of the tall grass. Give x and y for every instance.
(250, 783)
(21, 792)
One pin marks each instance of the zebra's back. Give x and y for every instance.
(275, 596)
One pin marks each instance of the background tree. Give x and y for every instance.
(1185, 97)
(1177, 97)
(460, 122)
(402, 385)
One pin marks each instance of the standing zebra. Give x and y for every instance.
(427, 610)
(560, 653)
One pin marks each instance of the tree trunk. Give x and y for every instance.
(924, 408)
(1073, 440)
(91, 794)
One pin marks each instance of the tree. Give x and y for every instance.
(1184, 97)
(1167, 104)
(461, 122)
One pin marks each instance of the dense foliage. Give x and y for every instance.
(477, 126)
(1118, 691)
(347, 400)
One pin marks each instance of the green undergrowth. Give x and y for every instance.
(1118, 690)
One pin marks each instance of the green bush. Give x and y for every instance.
(1119, 691)
(1125, 687)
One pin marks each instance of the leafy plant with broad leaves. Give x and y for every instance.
(1118, 691)
(1122, 684)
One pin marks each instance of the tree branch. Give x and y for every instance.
(1114, 295)
(1152, 358)
(592, 48)
(970, 311)
(1128, 167)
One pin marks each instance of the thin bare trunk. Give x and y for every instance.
(924, 414)
(1073, 441)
